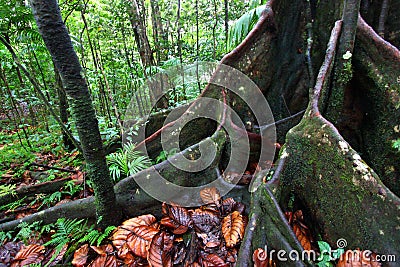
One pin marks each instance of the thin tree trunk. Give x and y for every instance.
(214, 29)
(110, 93)
(55, 35)
(197, 46)
(16, 117)
(39, 92)
(382, 18)
(162, 35)
(103, 97)
(178, 23)
(139, 28)
(226, 20)
(62, 107)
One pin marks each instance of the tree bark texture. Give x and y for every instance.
(51, 27)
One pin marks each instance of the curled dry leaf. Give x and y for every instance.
(210, 195)
(119, 237)
(204, 220)
(140, 239)
(303, 234)
(177, 218)
(160, 250)
(103, 250)
(80, 256)
(356, 258)
(98, 262)
(213, 260)
(136, 233)
(228, 205)
(29, 254)
(147, 219)
(233, 227)
(260, 259)
(211, 239)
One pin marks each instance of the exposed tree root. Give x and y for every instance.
(342, 195)
(26, 191)
(345, 198)
(377, 71)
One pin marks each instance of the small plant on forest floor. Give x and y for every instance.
(67, 235)
(164, 155)
(5, 236)
(75, 232)
(396, 144)
(13, 205)
(27, 231)
(328, 256)
(126, 162)
(7, 189)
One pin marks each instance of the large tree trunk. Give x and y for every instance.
(55, 35)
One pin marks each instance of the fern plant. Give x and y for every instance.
(126, 162)
(94, 236)
(4, 236)
(68, 231)
(7, 189)
(75, 232)
(27, 231)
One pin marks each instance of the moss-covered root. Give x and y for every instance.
(377, 65)
(269, 230)
(340, 191)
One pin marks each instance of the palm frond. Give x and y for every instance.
(241, 28)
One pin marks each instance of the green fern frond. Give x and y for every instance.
(29, 35)
(126, 161)
(90, 237)
(7, 189)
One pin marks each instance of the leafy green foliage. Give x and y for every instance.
(241, 28)
(12, 205)
(126, 162)
(49, 200)
(74, 233)
(165, 155)
(396, 144)
(328, 255)
(27, 231)
(95, 237)
(5, 236)
(71, 187)
(6, 189)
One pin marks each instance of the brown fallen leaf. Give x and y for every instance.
(233, 227)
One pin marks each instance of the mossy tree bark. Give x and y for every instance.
(56, 37)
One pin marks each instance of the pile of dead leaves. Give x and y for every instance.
(16, 254)
(206, 236)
